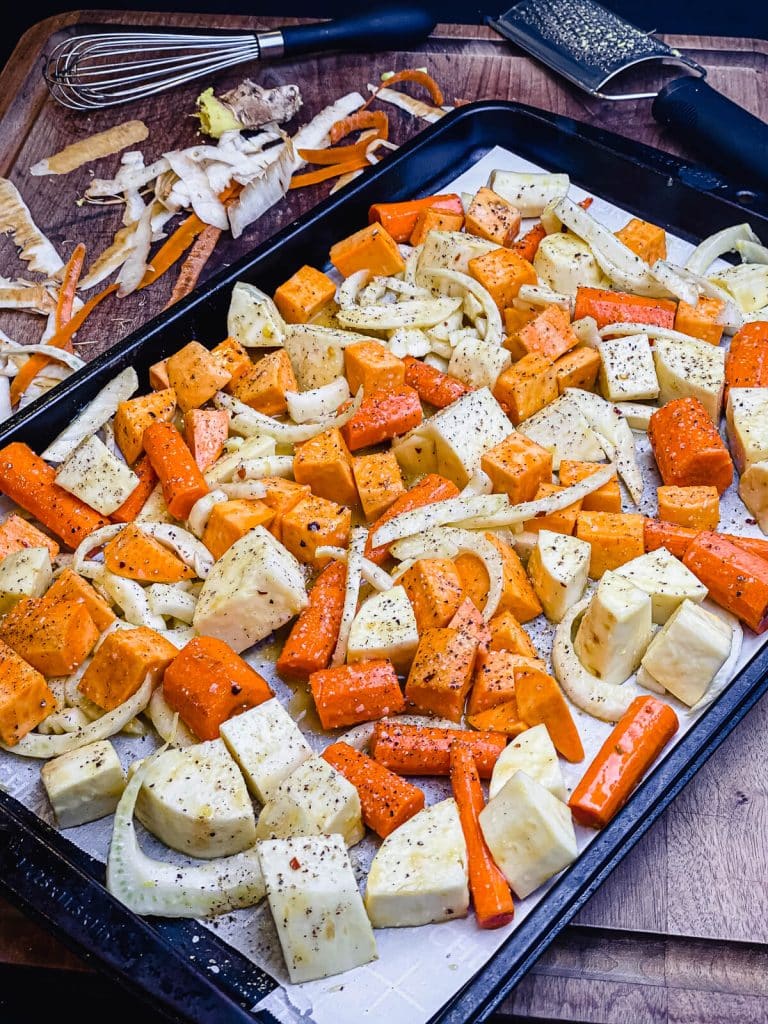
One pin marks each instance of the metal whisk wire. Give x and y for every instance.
(105, 69)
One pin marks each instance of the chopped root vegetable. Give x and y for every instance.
(313, 638)
(735, 578)
(361, 692)
(93, 147)
(425, 750)
(194, 264)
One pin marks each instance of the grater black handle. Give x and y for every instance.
(723, 133)
(392, 26)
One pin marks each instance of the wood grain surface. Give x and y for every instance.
(679, 932)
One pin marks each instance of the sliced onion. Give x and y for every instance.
(586, 331)
(409, 341)
(92, 542)
(131, 598)
(479, 483)
(349, 289)
(751, 252)
(494, 333)
(538, 295)
(372, 573)
(715, 246)
(94, 416)
(411, 313)
(676, 282)
(625, 330)
(614, 434)
(200, 513)
(351, 592)
(317, 404)
(59, 355)
(35, 745)
(158, 888)
(167, 723)
(246, 490)
(169, 600)
(6, 409)
(248, 422)
(268, 465)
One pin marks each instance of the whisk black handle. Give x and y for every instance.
(391, 27)
(723, 133)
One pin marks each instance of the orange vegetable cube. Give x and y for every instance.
(371, 366)
(231, 520)
(372, 249)
(433, 219)
(502, 718)
(122, 663)
(470, 622)
(232, 357)
(493, 217)
(136, 414)
(54, 637)
(550, 333)
(441, 673)
(264, 384)
(494, 680)
(379, 482)
(701, 320)
(281, 496)
(540, 701)
(526, 387)
(605, 499)
(517, 466)
(502, 273)
(508, 635)
(136, 555)
(304, 294)
(382, 415)
(25, 699)
(362, 692)
(312, 523)
(158, 376)
(559, 522)
(433, 586)
(515, 319)
(325, 464)
(648, 241)
(474, 579)
(206, 431)
(17, 533)
(696, 507)
(615, 537)
(577, 369)
(518, 595)
(71, 587)
(195, 374)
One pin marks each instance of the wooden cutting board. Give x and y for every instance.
(637, 952)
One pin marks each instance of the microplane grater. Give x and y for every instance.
(585, 43)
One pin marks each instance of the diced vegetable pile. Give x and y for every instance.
(394, 467)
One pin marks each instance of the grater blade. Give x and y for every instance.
(584, 42)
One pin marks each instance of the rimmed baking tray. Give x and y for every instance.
(165, 961)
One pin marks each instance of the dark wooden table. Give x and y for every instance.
(679, 933)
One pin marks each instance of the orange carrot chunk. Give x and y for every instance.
(491, 894)
(687, 447)
(381, 416)
(430, 489)
(399, 219)
(207, 683)
(528, 245)
(386, 800)
(31, 483)
(609, 307)
(735, 578)
(313, 637)
(361, 692)
(746, 364)
(636, 741)
(422, 750)
(183, 483)
(139, 496)
(540, 701)
(677, 539)
(432, 385)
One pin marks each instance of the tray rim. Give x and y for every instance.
(481, 994)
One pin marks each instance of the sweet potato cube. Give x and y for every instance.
(474, 579)
(371, 366)
(136, 414)
(263, 384)
(383, 414)
(372, 249)
(515, 319)
(206, 431)
(517, 596)
(231, 520)
(25, 699)
(648, 241)
(158, 376)
(232, 357)
(312, 523)
(433, 219)
(550, 333)
(54, 637)
(195, 374)
(494, 679)
(501, 718)
(71, 587)
(526, 387)
(441, 673)
(493, 217)
(605, 499)
(324, 463)
(508, 635)
(136, 555)
(281, 496)
(379, 482)
(433, 586)
(577, 369)
(701, 320)
(696, 507)
(17, 533)
(615, 537)
(563, 521)
(517, 466)
(469, 621)
(502, 273)
(304, 294)
(122, 663)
